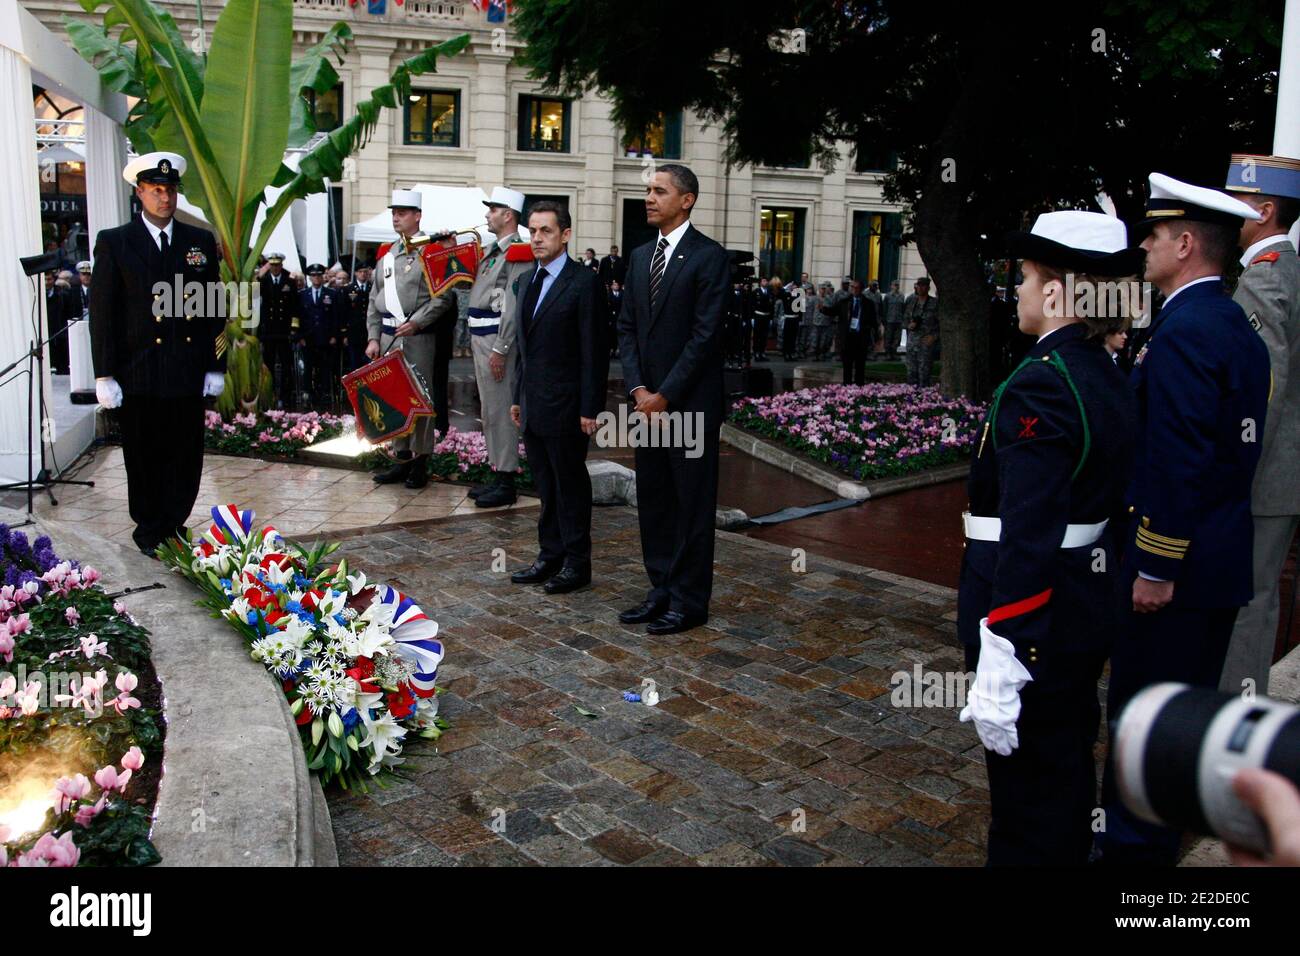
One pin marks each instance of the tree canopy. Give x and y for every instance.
(994, 113)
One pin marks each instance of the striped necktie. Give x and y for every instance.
(657, 269)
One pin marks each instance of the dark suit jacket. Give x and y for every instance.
(868, 320)
(323, 320)
(164, 356)
(673, 349)
(563, 355)
(613, 269)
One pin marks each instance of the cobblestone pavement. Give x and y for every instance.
(775, 741)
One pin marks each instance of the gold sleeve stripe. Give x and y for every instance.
(1162, 539)
(1159, 551)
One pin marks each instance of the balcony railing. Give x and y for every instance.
(418, 11)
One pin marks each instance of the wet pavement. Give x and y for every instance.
(916, 533)
(775, 741)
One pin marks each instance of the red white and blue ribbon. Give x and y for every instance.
(230, 525)
(414, 634)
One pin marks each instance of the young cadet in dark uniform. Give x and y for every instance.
(1201, 383)
(1036, 597)
(155, 360)
(278, 322)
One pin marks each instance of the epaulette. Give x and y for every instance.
(1265, 257)
(519, 252)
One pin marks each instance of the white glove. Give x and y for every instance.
(108, 392)
(214, 383)
(994, 701)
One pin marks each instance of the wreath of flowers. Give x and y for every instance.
(357, 661)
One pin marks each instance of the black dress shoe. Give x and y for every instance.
(569, 579)
(480, 489)
(643, 612)
(674, 622)
(394, 473)
(419, 474)
(497, 496)
(539, 572)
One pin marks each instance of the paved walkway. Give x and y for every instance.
(300, 500)
(775, 741)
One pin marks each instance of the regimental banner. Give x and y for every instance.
(386, 398)
(446, 266)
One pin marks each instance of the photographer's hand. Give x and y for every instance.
(1277, 801)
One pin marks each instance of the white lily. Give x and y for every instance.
(385, 736)
(356, 582)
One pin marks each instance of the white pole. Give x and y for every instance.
(1286, 128)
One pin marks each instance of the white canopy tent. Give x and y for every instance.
(445, 207)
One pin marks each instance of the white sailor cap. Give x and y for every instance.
(159, 167)
(503, 196)
(1173, 199)
(84, 266)
(407, 199)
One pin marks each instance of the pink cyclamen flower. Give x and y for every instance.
(89, 576)
(6, 646)
(109, 779)
(133, 759)
(119, 608)
(73, 616)
(68, 790)
(29, 699)
(51, 852)
(90, 646)
(88, 811)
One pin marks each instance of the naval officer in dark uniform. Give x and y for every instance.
(1035, 602)
(277, 324)
(1201, 382)
(323, 316)
(155, 350)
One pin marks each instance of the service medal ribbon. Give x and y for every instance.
(196, 258)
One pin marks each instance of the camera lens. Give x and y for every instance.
(1177, 749)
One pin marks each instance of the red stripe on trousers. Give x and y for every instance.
(1019, 607)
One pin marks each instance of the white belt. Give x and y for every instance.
(481, 321)
(391, 322)
(980, 528)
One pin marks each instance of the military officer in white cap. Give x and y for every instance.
(1201, 384)
(156, 366)
(403, 310)
(1269, 293)
(491, 318)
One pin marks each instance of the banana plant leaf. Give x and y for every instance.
(326, 160)
(314, 71)
(244, 107)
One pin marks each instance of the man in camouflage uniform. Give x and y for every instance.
(921, 319)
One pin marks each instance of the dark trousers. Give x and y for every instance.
(790, 335)
(162, 448)
(279, 352)
(855, 357)
(893, 335)
(677, 501)
(444, 331)
(560, 473)
(1187, 645)
(761, 323)
(1043, 795)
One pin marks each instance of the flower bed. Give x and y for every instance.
(74, 662)
(271, 433)
(866, 431)
(357, 661)
(460, 456)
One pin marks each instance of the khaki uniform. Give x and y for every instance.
(1269, 293)
(412, 288)
(492, 327)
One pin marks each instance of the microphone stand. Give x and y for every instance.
(36, 385)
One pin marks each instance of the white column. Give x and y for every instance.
(374, 187)
(106, 191)
(20, 236)
(593, 219)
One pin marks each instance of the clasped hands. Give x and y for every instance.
(649, 403)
